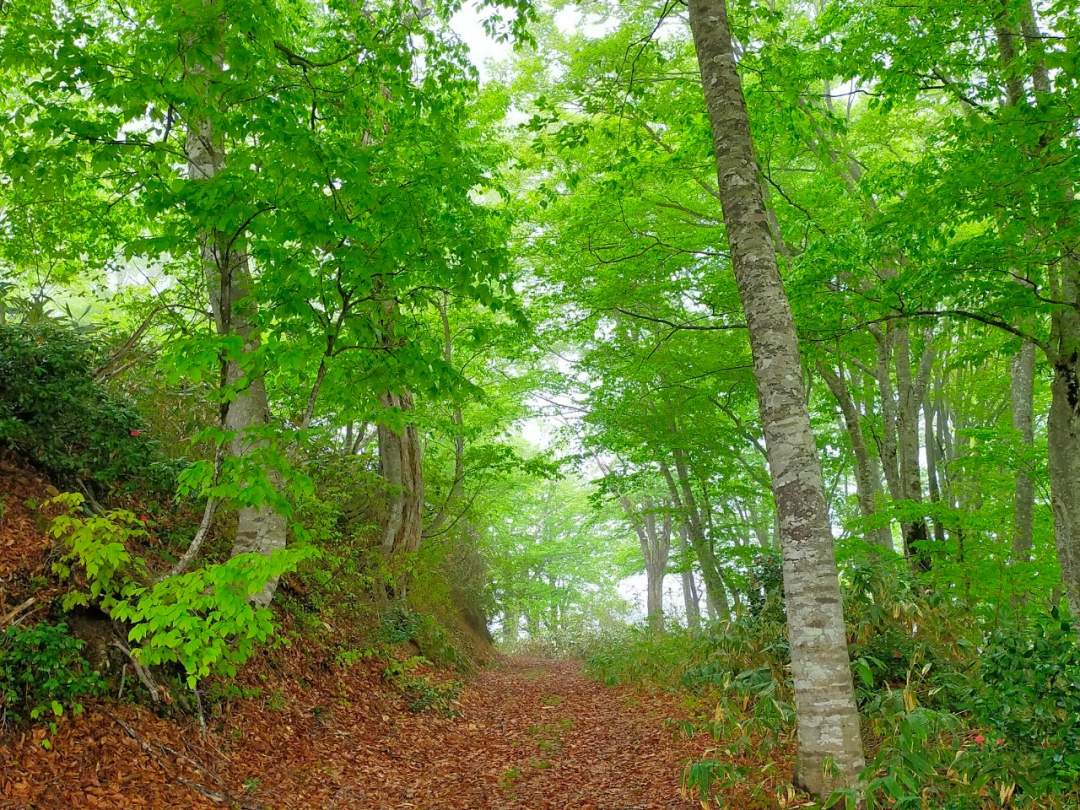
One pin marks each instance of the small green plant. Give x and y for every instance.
(276, 701)
(203, 620)
(347, 657)
(398, 626)
(706, 778)
(96, 545)
(421, 692)
(549, 736)
(509, 777)
(43, 674)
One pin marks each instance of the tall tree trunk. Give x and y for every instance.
(911, 395)
(689, 587)
(655, 541)
(1063, 431)
(509, 629)
(399, 459)
(933, 488)
(1022, 396)
(715, 593)
(1063, 425)
(654, 599)
(400, 456)
(225, 264)
(867, 485)
(888, 446)
(830, 748)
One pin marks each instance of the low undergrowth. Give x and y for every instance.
(955, 714)
(43, 674)
(423, 691)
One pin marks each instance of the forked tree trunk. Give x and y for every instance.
(830, 748)
(400, 461)
(716, 599)
(867, 484)
(691, 600)
(654, 537)
(400, 453)
(260, 528)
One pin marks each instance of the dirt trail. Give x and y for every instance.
(530, 734)
(539, 734)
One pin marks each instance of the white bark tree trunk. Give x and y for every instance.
(225, 264)
(828, 722)
(867, 484)
(691, 601)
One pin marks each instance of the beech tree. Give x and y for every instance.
(824, 696)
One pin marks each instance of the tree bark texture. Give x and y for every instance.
(400, 462)
(828, 722)
(225, 264)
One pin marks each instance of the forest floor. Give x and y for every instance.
(527, 733)
(300, 728)
(540, 734)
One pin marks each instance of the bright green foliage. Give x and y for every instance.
(96, 546)
(919, 166)
(43, 673)
(1031, 701)
(204, 620)
(555, 561)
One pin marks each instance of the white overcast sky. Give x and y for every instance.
(484, 50)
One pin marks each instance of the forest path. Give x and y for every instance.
(530, 734)
(540, 734)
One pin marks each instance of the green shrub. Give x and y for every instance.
(398, 626)
(203, 620)
(43, 673)
(55, 415)
(1030, 701)
(96, 546)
